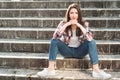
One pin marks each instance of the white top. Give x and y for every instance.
(74, 42)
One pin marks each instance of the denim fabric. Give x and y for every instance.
(88, 47)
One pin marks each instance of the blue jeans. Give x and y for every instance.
(87, 47)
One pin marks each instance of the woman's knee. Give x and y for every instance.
(93, 42)
(53, 41)
(90, 43)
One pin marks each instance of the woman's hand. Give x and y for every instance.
(86, 24)
(62, 28)
(73, 22)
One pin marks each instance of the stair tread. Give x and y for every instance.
(55, 0)
(60, 9)
(51, 29)
(60, 74)
(38, 41)
(45, 56)
(58, 18)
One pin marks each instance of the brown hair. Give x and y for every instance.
(80, 20)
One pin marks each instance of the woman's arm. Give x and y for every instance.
(60, 29)
(82, 28)
(86, 31)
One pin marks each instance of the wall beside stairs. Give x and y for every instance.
(26, 27)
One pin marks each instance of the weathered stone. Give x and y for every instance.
(30, 13)
(10, 23)
(45, 35)
(82, 64)
(5, 47)
(115, 49)
(114, 23)
(41, 48)
(104, 49)
(29, 23)
(94, 4)
(26, 74)
(26, 34)
(58, 13)
(23, 63)
(116, 65)
(113, 4)
(46, 23)
(113, 13)
(10, 13)
(62, 4)
(106, 35)
(7, 34)
(22, 47)
(105, 64)
(71, 63)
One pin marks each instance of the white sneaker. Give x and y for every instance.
(45, 72)
(101, 74)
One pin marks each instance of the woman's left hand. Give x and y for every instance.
(79, 25)
(86, 24)
(73, 22)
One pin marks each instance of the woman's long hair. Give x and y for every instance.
(80, 20)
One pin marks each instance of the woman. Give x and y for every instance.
(75, 42)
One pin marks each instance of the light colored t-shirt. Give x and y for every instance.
(74, 42)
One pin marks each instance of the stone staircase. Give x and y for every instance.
(26, 27)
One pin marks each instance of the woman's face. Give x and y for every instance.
(73, 14)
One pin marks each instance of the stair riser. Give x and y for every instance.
(29, 78)
(87, 4)
(23, 63)
(45, 35)
(106, 35)
(86, 64)
(109, 49)
(24, 47)
(53, 23)
(57, 13)
(60, 64)
(106, 49)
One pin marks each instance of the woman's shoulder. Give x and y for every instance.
(63, 21)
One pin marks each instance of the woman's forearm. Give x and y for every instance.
(89, 37)
(82, 28)
(62, 29)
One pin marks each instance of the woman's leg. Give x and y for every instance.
(89, 47)
(57, 46)
(92, 50)
(94, 59)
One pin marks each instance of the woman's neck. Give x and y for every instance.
(73, 27)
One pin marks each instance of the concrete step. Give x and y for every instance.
(28, 74)
(46, 33)
(40, 60)
(42, 46)
(53, 22)
(59, 12)
(59, 4)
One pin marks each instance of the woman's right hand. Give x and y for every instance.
(73, 22)
(63, 27)
(67, 24)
